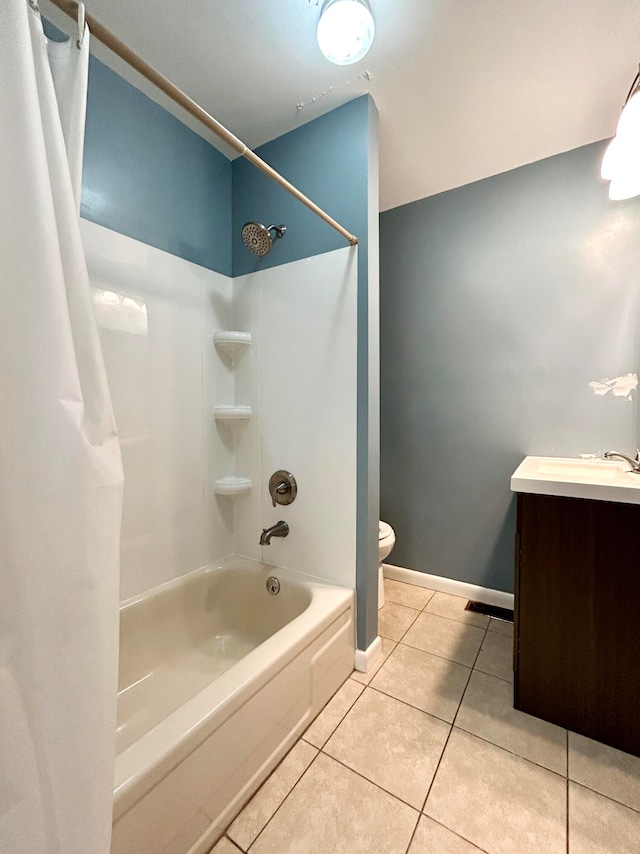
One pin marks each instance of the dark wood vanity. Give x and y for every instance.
(577, 616)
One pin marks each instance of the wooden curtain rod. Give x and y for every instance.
(120, 49)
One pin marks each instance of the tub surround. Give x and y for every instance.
(335, 160)
(158, 316)
(302, 384)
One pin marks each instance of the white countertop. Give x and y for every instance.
(573, 477)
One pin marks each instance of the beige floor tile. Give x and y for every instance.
(223, 846)
(501, 627)
(600, 826)
(406, 594)
(332, 714)
(453, 607)
(272, 793)
(498, 801)
(446, 638)
(333, 809)
(387, 648)
(496, 656)
(392, 744)
(425, 681)
(604, 769)
(394, 620)
(433, 838)
(487, 711)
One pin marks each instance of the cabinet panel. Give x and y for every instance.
(577, 639)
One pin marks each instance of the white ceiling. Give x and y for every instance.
(465, 88)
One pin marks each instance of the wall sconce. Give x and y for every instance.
(621, 161)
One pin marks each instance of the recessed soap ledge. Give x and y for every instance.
(575, 477)
(232, 342)
(232, 486)
(232, 413)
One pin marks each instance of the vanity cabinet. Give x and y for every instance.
(577, 616)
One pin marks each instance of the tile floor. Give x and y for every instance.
(426, 755)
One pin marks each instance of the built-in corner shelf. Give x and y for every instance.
(232, 486)
(233, 343)
(232, 413)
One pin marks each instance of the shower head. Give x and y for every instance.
(257, 238)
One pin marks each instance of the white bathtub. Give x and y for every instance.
(217, 680)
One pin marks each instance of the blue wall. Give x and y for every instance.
(500, 302)
(150, 177)
(329, 160)
(325, 159)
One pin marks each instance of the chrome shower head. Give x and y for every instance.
(257, 238)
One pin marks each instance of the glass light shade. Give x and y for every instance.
(625, 186)
(629, 121)
(622, 157)
(345, 31)
(621, 161)
(609, 161)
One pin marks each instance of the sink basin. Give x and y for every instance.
(599, 480)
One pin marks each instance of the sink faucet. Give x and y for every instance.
(280, 529)
(635, 464)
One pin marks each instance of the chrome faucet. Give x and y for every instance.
(635, 464)
(280, 529)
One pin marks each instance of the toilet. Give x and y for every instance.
(386, 541)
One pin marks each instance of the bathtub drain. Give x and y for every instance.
(273, 585)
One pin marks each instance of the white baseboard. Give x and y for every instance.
(366, 658)
(449, 585)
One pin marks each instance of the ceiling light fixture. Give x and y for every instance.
(345, 30)
(621, 161)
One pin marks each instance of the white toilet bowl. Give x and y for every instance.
(386, 541)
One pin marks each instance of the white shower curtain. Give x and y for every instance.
(60, 467)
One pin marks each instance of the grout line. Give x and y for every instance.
(455, 833)
(442, 616)
(371, 783)
(377, 667)
(299, 739)
(511, 752)
(493, 675)
(433, 779)
(410, 705)
(454, 620)
(333, 696)
(259, 789)
(475, 661)
(606, 797)
(441, 657)
(500, 634)
(406, 851)
(285, 799)
(388, 601)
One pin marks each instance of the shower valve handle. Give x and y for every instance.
(282, 487)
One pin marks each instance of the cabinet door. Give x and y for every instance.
(578, 616)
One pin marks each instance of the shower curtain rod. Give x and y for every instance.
(98, 31)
